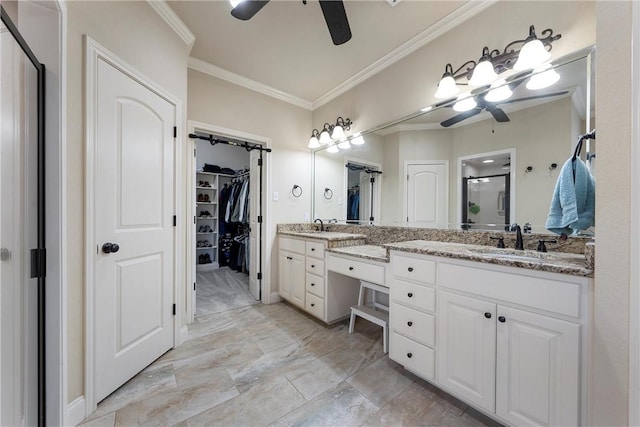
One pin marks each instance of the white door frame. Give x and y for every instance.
(405, 190)
(93, 53)
(512, 182)
(190, 165)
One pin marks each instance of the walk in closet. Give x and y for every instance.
(226, 193)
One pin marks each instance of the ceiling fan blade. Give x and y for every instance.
(337, 22)
(247, 9)
(529, 98)
(460, 117)
(498, 114)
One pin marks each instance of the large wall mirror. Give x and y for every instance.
(484, 168)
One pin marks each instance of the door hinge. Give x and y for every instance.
(371, 218)
(175, 131)
(38, 263)
(175, 220)
(194, 152)
(407, 177)
(194, 219)
(259, 276)
(373, 180)
(259, 218)
(407, 219)
(259, 162)
(174, 309)
(194, 286)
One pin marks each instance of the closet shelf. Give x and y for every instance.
(202, 248)
(211, 218)
(206, 203)
(216, 174)
(206, 188)
(211, 232)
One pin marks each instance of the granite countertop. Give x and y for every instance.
(323, 235)
(370, 252)
(555, 262)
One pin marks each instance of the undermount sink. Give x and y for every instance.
(515, 255)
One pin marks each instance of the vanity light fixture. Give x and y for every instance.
(500, 91)
(357, 139)
(344, 145)
(333, 149)
(529, 53)
(465, 104)
(542, 79)
(329, 133)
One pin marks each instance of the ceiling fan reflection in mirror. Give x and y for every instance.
(334, 15)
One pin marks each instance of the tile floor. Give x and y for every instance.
(259, 365)
(221, 290)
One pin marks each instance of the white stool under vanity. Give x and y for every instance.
(375, 312)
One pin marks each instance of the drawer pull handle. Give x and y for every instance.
(501, 319)
(313, 304)
(410, 323)
(313, 284)
(487, 315)
(410, 269)
(409, 355)
(289, 257)
(350, 268)
(313, 249)
(410, 294)
(313, 266)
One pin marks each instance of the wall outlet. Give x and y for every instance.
(276, 196)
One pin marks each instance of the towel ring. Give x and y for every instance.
(328, 194)
(296, 190)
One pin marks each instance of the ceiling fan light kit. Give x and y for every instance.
(526, 54)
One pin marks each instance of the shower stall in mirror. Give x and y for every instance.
(22, 264)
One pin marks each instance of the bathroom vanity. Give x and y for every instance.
(504, 331)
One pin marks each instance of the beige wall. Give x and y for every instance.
(219, 103)
(135, 33)
(610, 369)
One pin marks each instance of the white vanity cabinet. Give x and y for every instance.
(292, 271)
(509, 341)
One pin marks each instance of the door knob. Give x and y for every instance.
(110, 248)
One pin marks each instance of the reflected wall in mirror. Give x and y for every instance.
(539, 126)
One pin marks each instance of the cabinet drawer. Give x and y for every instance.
(315, 306)
(545, 294)
(413, 356)
(417, 296)
(358, 269)
(315, 285)
(292, 245)
(414, 324)
(315, 249)
(418, 270)
(315, 266)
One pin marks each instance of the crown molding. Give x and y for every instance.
(408, 128)
(164, 10)
(221, 73)
(455, 18)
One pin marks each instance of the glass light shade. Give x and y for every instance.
(465, 104)
(313, 142)
(333, 149)
(344, 145)
(325, 138)
(483, 74)
(338, 133)
(234, 3)
(499, 92)
(532, 55)
(447, 88)
(357, 140)
(543, 79)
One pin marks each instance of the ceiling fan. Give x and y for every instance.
(334, 15)
(493, 107)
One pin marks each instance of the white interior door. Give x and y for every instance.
(134, 197)
(253, 261)
(18, 234)
(427, 194)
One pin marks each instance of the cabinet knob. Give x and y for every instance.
(313, 266)
(501, 319)
(410, 269)
(289, 257)
(410, 323)
(487, 315)
(313, 284)
(409, 355)
(313, 304)
(410, 294)
(350, 268)
(313, 249)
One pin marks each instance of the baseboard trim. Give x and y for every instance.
(274, 297)
(75, 412)
(183, 334)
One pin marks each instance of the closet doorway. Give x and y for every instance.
(227, 238)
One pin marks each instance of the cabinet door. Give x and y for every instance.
(298, 280)
(538, 369)
(284, 274)
(466, 348)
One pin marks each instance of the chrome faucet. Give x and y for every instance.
(518, 230)
(321, 223)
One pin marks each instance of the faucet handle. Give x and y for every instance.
(541, 245)
(526, 228)
(500, 240)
